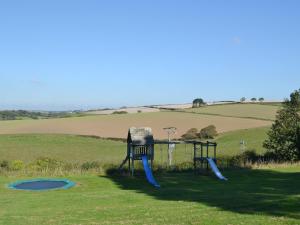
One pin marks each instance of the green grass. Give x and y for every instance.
(229, 143)
(254, 111)
(72, 148)
(249, 197)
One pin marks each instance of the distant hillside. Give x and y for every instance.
(23, 114)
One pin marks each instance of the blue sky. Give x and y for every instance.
(58, 55)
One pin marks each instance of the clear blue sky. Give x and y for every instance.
(83, 54)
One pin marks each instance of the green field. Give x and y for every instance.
(72, 148)
(245, 110)
(249, 197)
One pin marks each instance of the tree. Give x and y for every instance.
(253, 99)
(208, 132)
(284, 137)
(198, 102)
(190, 134)
(243, 99)
(261, 99)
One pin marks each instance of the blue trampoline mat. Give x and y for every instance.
(42, 184)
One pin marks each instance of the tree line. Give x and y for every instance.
(23, 114)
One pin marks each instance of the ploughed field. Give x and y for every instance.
(117, 125)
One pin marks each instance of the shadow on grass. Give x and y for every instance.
(247, 191)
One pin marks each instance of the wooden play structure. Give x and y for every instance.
(140, 142)
(141, 145)
(203, 151)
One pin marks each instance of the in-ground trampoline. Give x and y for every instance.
(42, 184)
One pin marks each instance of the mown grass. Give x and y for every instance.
(245, 110)
(249, 197)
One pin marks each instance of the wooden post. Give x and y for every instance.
(207, 146)
(201, 156)
(129, 164)
(152, 155)
(132, 168)
(195, 157)
(215, 153)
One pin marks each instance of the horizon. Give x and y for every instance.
(61, 56)
(247, 101)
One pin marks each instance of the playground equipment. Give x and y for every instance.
(203, 158)
(140, 142)
(148, 172)
(140, 146)
(202, 153)
(215, 169)
(171, 147)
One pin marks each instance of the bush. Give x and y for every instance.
(91, 165)
(247, 157)
(120, 112)
(190, 134)
(4, 164)
(17, 165)
(208, 132)
(45, 163)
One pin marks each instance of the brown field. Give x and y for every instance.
(117, 125)
(128, 110)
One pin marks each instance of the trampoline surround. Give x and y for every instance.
(42, 184)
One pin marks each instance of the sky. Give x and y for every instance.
(63, 55)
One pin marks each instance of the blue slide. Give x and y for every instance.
(148, 172)
(215, 169)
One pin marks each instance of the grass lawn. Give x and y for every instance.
(249, 197)
(255, 111)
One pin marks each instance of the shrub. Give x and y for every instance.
(208, 132)
(4, 164)
(190, 134)
(45, 163)
(91, 165)
(120, 112)
(17, 165)
(246, 157)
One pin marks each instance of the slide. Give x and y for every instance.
(215, 169)
(148, 172)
